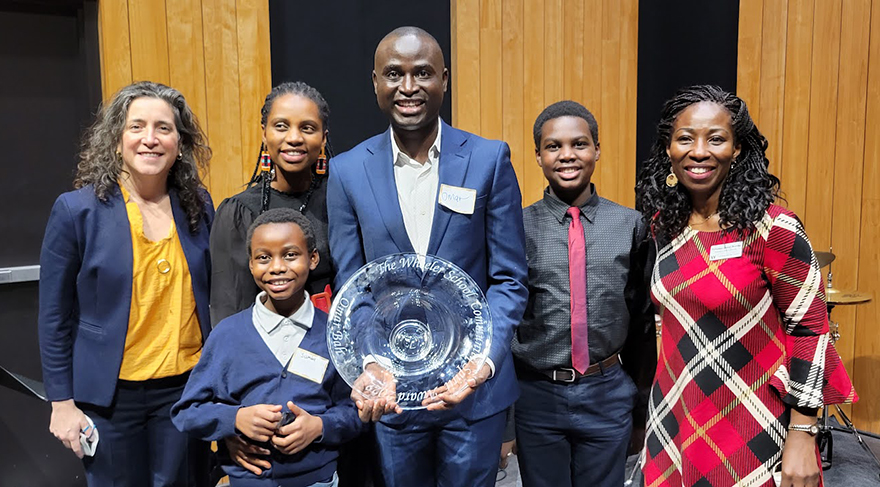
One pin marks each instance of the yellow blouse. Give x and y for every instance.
(163, 338)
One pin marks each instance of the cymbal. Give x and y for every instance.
(840, 296)
(824, 258)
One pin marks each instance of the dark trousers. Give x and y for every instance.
(573, 435)
(446, 452)
(358, 463)
(139, 446)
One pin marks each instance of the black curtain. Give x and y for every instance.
(681, 43)
(330, 46)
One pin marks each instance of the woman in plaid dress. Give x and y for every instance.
(745, 359)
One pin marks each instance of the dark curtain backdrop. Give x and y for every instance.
(49, 88)
(681, 43)
(330, 46)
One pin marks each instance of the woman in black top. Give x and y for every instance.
(295, 121)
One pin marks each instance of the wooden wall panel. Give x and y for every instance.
(823, 129)
(628, 64)
(531, 53)
(512, 85)
(608, 115)
(848, 162)
(491, 89)
(255, 76)
(182, 42)
(149, 41)
(465, 19)
(115, 46)
(553, 50)
(221, 56)
(866, 356)
(533, 75)
(748, 72)
(811, 81)
(796, 112)
(186, 65)
(772, 81)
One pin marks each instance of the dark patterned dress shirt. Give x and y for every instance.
(619, 310)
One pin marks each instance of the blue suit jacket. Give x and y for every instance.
(366, 223)
(85, 291)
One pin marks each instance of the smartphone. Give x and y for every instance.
(287, 417)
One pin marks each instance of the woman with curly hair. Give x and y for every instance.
(124, 291)
(745, 359)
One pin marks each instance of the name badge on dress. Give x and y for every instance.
(308, 365)
(459, 200)
(726, 251)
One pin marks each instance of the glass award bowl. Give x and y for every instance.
(407, 326)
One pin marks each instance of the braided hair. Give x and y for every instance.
(746, 193)
(264, 178)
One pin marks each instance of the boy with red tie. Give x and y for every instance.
(588, 307)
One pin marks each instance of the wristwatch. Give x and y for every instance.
(812, 429)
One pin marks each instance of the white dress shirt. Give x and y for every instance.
(417, 191)
(417, 194)
(283, 334)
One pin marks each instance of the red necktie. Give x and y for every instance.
(577, 275)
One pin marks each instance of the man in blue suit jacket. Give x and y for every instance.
(390, 194)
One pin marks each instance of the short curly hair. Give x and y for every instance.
(283, 215)
(565, 108)
(100, 165)
(748, 190)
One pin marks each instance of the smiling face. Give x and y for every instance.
(150, 141)
(702, 148)
(280, 263)
(567, 156)
(409, 78)
(294, 135)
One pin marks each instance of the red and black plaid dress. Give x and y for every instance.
(743, 338)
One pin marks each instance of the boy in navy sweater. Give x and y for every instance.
(264, 373)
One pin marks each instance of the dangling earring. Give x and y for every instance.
(266, 176)
(265, 161)
(671, 180)
(321, 163)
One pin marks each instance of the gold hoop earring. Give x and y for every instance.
(672, 179)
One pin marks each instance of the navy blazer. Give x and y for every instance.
(366, 223)
(85, 290)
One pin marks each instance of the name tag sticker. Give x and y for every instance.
(308, 365)
(459, 200)
(726, 251)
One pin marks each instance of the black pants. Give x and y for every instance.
(139, 446)
(574, 434)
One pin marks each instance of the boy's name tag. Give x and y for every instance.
(459, 200)
(308, 365)
(726, 251)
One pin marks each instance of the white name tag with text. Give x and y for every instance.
(726, 251)
(308, 365)
(459, 200)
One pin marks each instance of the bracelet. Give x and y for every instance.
(812, 429)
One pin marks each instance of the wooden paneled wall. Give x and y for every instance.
(512, 58)
(216, 52)
(809, 71)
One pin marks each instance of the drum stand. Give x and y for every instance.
(826, 441)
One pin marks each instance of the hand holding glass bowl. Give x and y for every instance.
(405, 329)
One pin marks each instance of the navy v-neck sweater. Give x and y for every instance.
(237, 369)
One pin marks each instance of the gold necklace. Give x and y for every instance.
(705, 219)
